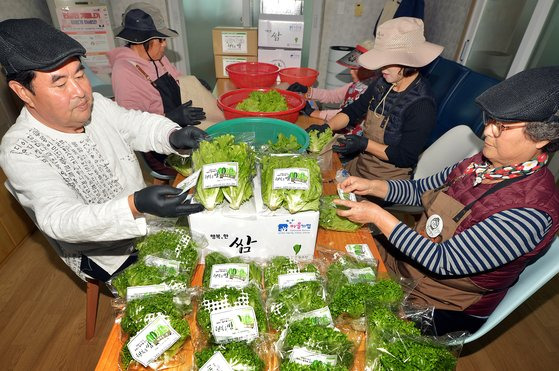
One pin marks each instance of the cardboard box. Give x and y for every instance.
(280, 57)
(280, 31)
(254, 231)
(222, 61)
(235, 40)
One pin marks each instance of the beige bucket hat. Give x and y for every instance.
(400, 41)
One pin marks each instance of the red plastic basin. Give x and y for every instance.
(302, 75)
(228, 101)
(252, 74)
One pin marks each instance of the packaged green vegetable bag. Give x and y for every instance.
(221, 271)
(227, 167)
(229, 314)
(394, 343)
(237, 355)
(292, 182)
(167, 257)
(156, 328)
(306, 343)
(329, 219)
(281, 265)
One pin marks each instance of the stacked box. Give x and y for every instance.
(280, 39)
(233, 45)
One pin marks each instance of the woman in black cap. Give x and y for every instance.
(143, 78)
(486, 217)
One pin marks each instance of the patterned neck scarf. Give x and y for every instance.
(484, 171)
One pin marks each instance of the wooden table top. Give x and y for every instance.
(325, 239)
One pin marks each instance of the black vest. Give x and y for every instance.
(397, 103)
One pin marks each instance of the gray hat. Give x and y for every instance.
(142, 22)
(32, 44)
(531, 95)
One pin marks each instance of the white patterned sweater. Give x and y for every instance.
(77, 185)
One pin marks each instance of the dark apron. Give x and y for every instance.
(367, 165)
(169, 91)
(443, 293)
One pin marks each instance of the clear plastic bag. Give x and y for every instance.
(228, 166)
(220, 271)
(291, 182)
(254, 356)
(175, 308)
(166, 257)
(395, 343)
(306, 342)
(240, 311)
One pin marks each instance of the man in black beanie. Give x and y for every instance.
(69, 158)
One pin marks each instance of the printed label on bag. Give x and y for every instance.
(290, 279)
(304, 356)
(291, 178)
(155, 261)
(321, 317)
(234, 42)
(233, 324)
(360, 251)
(346, 196)
(220, 174)
(189, 182)
(360, 275)
(152, 341)
(231, 275)
(137, 292)
(217, 362)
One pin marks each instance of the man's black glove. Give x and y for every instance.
(320, 128)
(164, 201)
(185, 114)
(298, 88)
(351, 144)
(307, 110)
(187, 137)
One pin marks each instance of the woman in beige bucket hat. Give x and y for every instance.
(400, 109)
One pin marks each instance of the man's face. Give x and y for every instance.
(62, 98)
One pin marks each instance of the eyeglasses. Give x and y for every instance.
(497, 127)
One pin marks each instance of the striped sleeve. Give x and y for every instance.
(408, 192)
(499, 239)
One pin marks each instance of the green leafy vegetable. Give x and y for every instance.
(300, 298)
(224, 149)
(255, 273)
(319, 139)
(140, 312)
(172, 244)
(353, 299)
(181, 164)
(226, 297)
(336, 276)
(325, 340)
(284, 144)
(239, 355)
(294, 200)
(329, 219)
(315, 366)
(396, 344)
(259, 101)
(282, 265)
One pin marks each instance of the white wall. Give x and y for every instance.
(24, 9)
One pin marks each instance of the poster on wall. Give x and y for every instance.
(91, 27)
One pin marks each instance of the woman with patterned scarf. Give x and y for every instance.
(486, 217)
